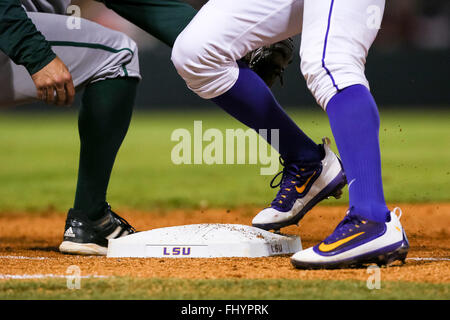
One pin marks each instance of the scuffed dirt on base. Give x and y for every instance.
(29, 246)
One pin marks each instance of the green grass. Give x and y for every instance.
(223, 289)
(39, 153)
(38, 167)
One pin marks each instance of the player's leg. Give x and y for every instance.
(104, 118)
(337, 35)
(163, 19)
(155, 16)
(103, 122)
(166, 19)
(105, 62)
(205, 55)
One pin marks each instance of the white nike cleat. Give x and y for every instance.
(357, 242)
(301, 189)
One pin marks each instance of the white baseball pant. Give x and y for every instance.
(336, 37)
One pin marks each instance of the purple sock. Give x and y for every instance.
(251, 102)
(355, 123)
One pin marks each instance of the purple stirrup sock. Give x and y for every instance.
(251, 102)
(355, 122)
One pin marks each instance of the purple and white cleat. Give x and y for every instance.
(301, 188)
(357, 242)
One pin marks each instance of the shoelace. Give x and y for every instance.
(291, 176)
(399, 214)
(124, 223)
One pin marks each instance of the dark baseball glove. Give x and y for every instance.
(270, 61)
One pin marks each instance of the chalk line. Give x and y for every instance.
(45, 276)
(24, 258)
(428, 259)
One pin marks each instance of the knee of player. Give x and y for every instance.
(184, 56)
(207, 68)
(191, 57)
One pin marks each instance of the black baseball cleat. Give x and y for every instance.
(86, 237)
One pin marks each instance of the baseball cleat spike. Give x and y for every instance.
(338, 194)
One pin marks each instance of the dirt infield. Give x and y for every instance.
(29, 247)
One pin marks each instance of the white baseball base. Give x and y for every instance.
(204, 241)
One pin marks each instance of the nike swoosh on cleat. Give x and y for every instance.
(302, 188)
(331, 246)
